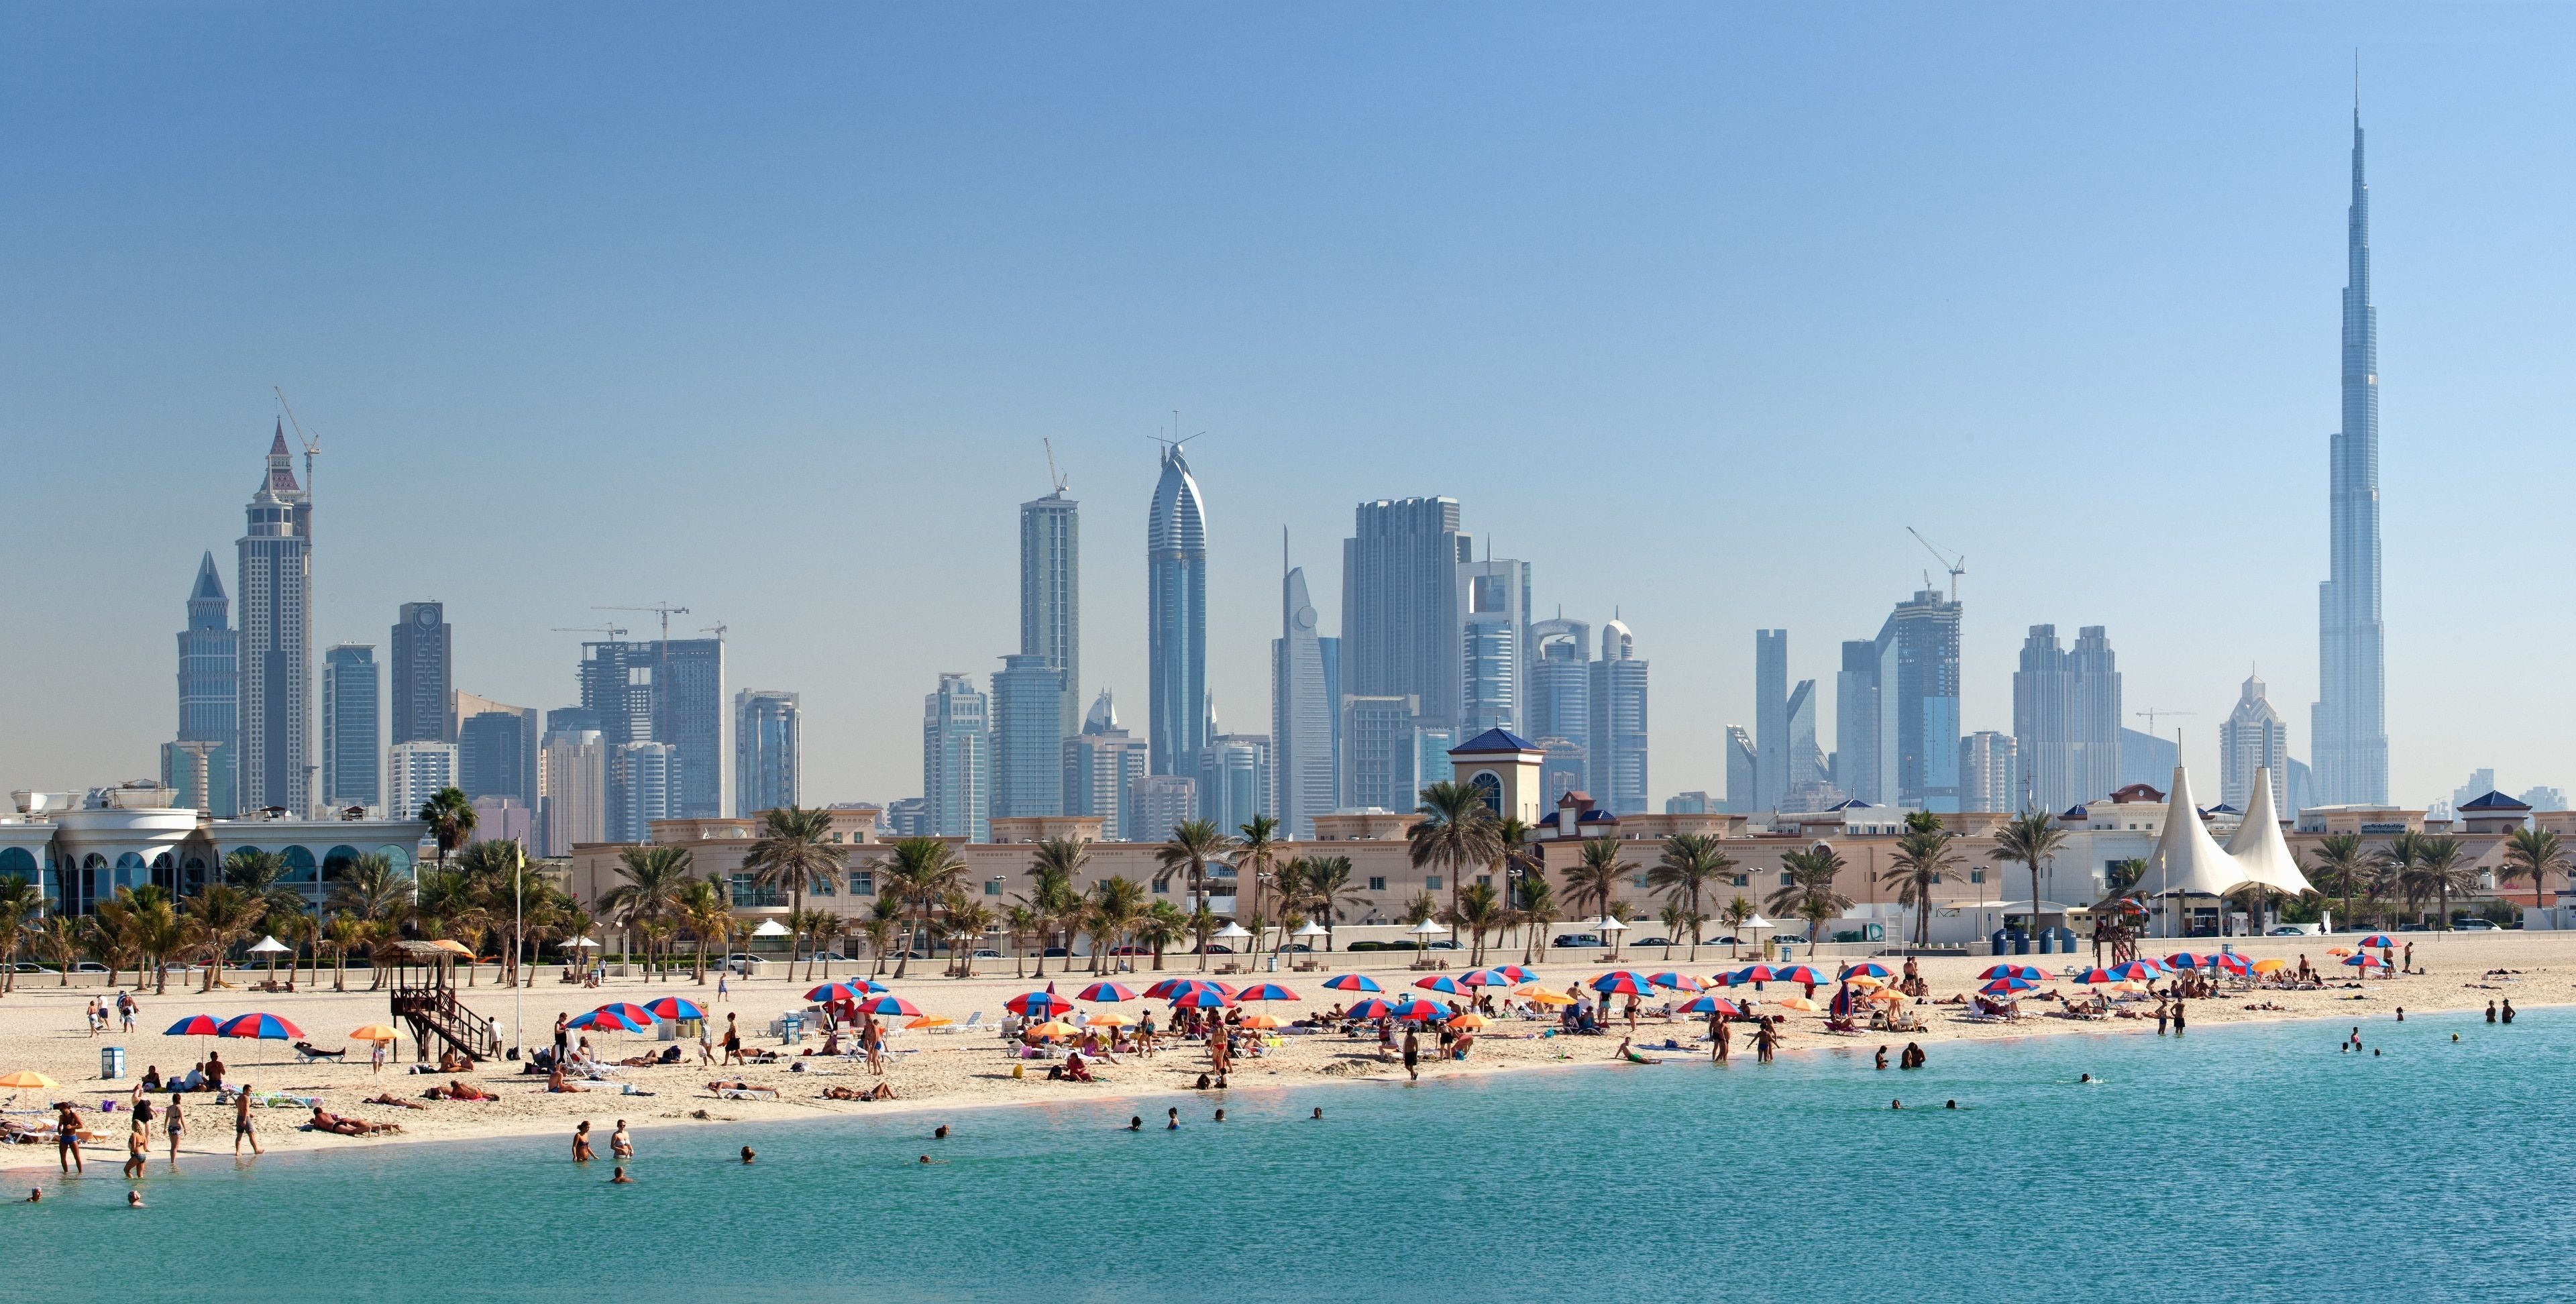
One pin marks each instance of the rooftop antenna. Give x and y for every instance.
(312, 443)
(1054, 476)
(1957, 567)
(1175, 443)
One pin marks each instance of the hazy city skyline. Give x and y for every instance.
(1681, 263)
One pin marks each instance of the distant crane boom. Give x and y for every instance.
(1957, 566)
(610, 630)
(2154, 711)
(665, 610)
(1054, 476)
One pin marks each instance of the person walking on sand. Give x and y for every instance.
(732, 1041)
(242, 1130)
(177, 1126)
(67, 1126)
(1412, 1055)
(126, 1008)
(724, 994)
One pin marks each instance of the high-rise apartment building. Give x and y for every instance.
(957, 759)
(1918, 697)
(1028, 737)
(2348, 727)
(1742, 764)
(1856, 723)
(1989, 772)
(574, 806)
(1617, 746)
(2251, 738)
(643, 786)
(768, 733)
(1804, 761)
(1377, 766)
(352, 733)
(1304, 706)
(414, 773)
(209, 738)
(424, 676)
(1565, 770)
(275, 583)
(1559, 675)
(1156, 803)
(1770, 717)
(1234, 781)
(1051, 597)
(1400, 615)
(671, 692)
(1101, 766)
(1176, 709)
(2066, 719)
(496, 752)
(1493, 614)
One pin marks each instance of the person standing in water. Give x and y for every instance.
(1412, 1054)
(242, 1129)
(177, 1125)
(2508, 1009)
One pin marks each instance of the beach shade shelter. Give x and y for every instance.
(1438, 982)
(1201, 998)
(2187, 861)
(1866, 969)
(1712, 1003)
(2263, 857)
(1232, 932)
(1423, 932)
(1623, 982)
(1105, 992)
(1037, 1005)
(1372, 1008)
(1267, 992)
(674, 1008)
(272, 948)
(1352, 982)
(887, 1005)
(1677, 981)
(1420, 1010)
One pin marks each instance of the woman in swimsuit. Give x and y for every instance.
(178, 1128)
(67, 1127)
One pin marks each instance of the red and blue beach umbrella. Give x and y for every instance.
(1267, 992)
(1037, 1005)
(2363, 960)
(607, 1016)
(2185, 960)
(1438, 982)
(1799, 973)
(1168, 986)
(1105, 992)
(2137, 971)
(835, 993)
(1862, 970)
(1201, 998)
(674, 1008)
(2030, 971)
(2007, 985)
(1372, 1008)
(1514, 973)
(1420, 1009)
(265, 1027)
(2097, 974)
(1624, 982)
(2228, 961)
(1712, 1003)
(1352, 982)
(196, 1025)
(886, 1005)
(2379, 939)
(1752, 973)
(1678, 981)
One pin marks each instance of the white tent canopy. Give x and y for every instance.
(2261, 854)
(268, 946)
(1233, 931)
(1312, 929)
(2187, 861)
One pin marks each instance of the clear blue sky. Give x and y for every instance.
(765, 310)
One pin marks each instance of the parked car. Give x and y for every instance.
(1576, 939)
(1216, 948)
(2478, 926)
(986, 953)
(2287, 930)
(1652, 941)
(1054, 953)
(739, 963)
(89, 966)
(1365, 946)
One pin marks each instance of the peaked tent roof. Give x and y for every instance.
(2495, 801)
(2262, 855)
(2187, 860)
(1494, 741)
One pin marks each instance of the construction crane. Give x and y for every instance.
(1054, 476)
(717, 629)
(610, 630)
(1957, 567)
(2152, 712)
(312, 443)
(666, 611)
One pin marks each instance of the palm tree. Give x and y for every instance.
(450, 818)
(1020, 920)
(968, 919)
(791, 853)
(263, 874)
(1161, 925)
(879, 927)
(339, 933)
(1192, 845)
(1596, 876)
(1479, 910)
(20, 901)
(58, 939)
(1115, 908)
(702, 906)
(497, 868)
(921, 875)
(2533, 854)
(2446, 870)
(227, 915)
(1690, 861)
(1922, 856)
(2029, 838)
(1257, 858)
(371, 888)
(1675, 917)
(2399, 870)
(1537, 910)
(1457, 829)
(1325, 890)
(1735, 916)
(1809, 894)
(1055, 865)
(2337, 865)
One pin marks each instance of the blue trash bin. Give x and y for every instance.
(2047, 941)
(2021, 943)
(1999, 942)
(111, 1061)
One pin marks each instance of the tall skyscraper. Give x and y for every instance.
(1234, 781)
(1618, 735)
(1400, 605)
(1770, 717)
(1377, 751)
(1028, 737)
(1918, 703)
(1989, 772)
(1051, 597)
(2348, 727)
(574, 806)
(2066, 719)
(415, 772)
(1158, 802)
(768, 729)
(1101, 766)
(1741, 766)
(209, 700)
(1493, 643)
(1176, 620)
(275, 581)
(1560, 682)
(957, 760)
(352, 733)
(1303, 708)
(496, 754)
(1856, 723)
(2252, 738)
(1805, 761)
(670, 692)
(643, 786)
(424, 674)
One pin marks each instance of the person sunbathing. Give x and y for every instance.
(729, 1084)
(555, 1080)
(449, 1061)
(326, 1121)
(388, 1098)
(310, 1051)
(843, 1093)
(831, 1045)
(457, 1089)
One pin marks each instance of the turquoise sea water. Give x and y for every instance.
(2237, 1163)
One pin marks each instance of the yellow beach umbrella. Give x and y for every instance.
(2338, 950)
(374, 1032)
(1865, 981)
(1548, 998)
(1265, 1021)
(1799, 1003)
(930, 1021)
(2270, 966)
(1470, 1019)
(28, 1079)
(2129, 985)
(1110, 1021)
(1055, 1028)
(451, 945)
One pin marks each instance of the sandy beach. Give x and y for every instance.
(42, 1027)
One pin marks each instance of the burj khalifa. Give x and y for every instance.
(2350, 718)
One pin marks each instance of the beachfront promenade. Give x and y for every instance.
(43, 1028)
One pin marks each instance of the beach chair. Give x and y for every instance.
(974, 1020)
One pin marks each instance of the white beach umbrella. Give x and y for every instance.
(269, 946)
(770, 928)
(1232, 931)
(577, 944)
(1312, 929)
